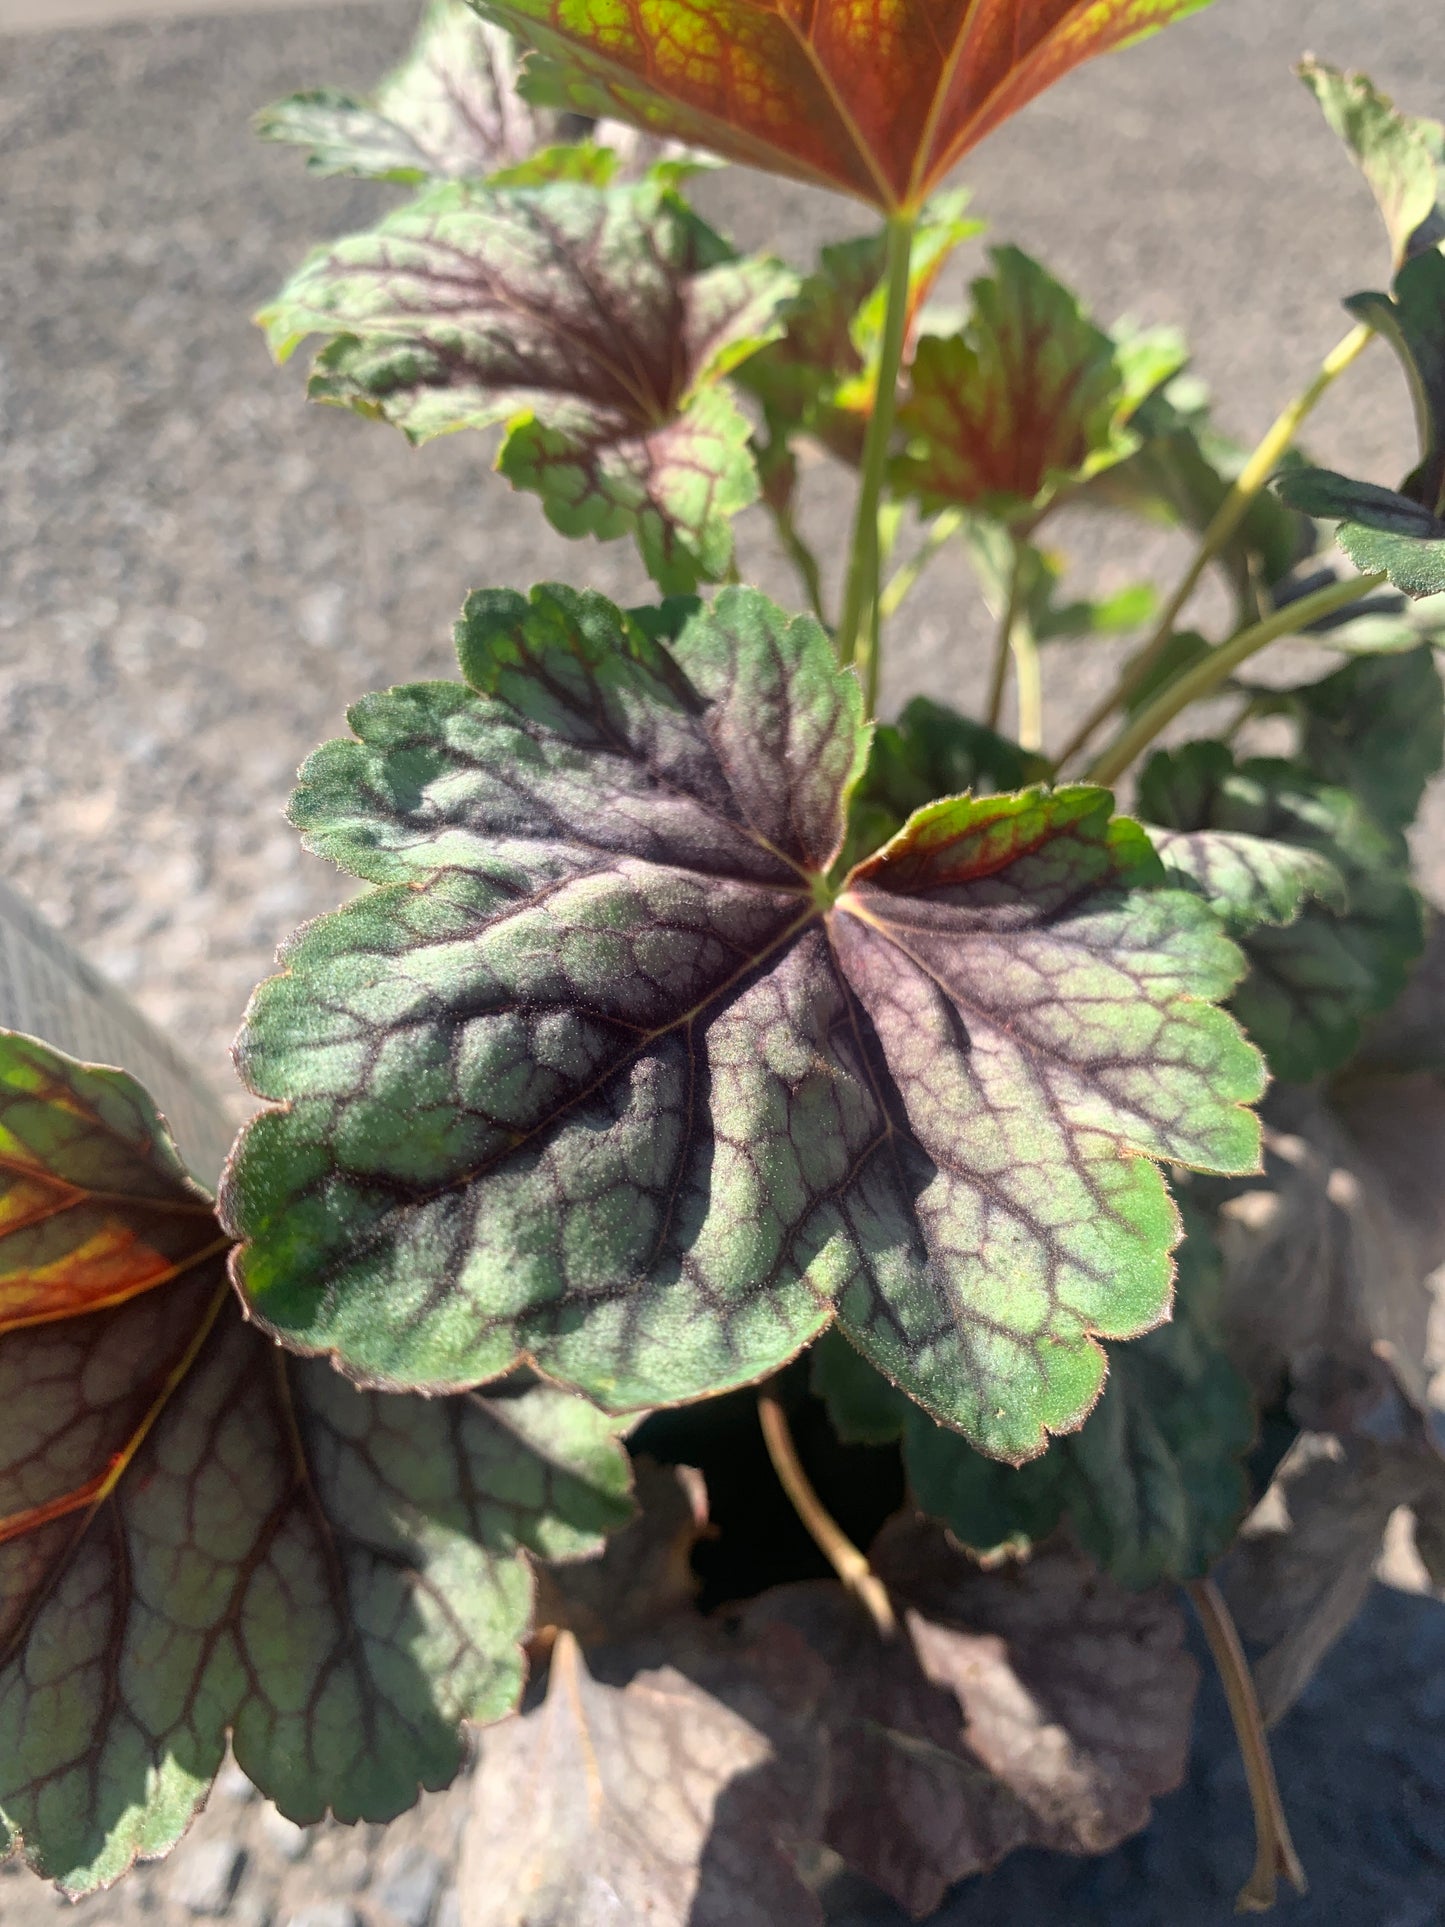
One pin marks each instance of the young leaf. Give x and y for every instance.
(450, 111)
(1314, 979)
(1380, 530)
(614, 1073)
(930, 751)
(1403, 159)
(1376, 727)
(1152, 1484)
(1029, 395)
(200, 1536)
(821, 377)
(717, 1756)
(595, 324)
(881, 105)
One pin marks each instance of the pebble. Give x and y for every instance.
(205, 1876)
(232, 1784)
(449, 1909)
(411, 1879)
(326, 1913)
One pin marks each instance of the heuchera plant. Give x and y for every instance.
(698, 1031)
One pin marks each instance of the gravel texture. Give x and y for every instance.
(197, 572)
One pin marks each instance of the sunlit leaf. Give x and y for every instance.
(614, 1072)
(821, 377)
(200, 1536)
(1313, 981)
(674, 1779)
(881, 103)
(449, 111)
(1402, 158)
(596, 325)
(1029, 395)
(1152, 1484)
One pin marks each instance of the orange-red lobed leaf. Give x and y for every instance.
(879, 98)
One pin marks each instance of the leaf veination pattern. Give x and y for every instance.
(612, 1072)
(201, 1536)
(596, 324)
(879, 100)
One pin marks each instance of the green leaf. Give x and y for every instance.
(931, 751)
(594, 324)
(1400, 157)
(1027, 397)
(201, 1536)
(1377, 727)
(997, 552)
(1313, 981)
(1250, 880)
(821, 377)
(1412, 320)
(1184, 648)
(449, 111)
(608, 1074)
(1380, 529)
(1153, 1484)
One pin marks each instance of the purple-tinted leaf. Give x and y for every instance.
(614, 1072)
(594, 324)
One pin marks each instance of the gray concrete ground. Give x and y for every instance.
(197, 572)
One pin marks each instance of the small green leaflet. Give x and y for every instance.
(1400, 532)
(1027, 396)
(1402, 158)
(201, 1536)
(614, 1071)
(450, 111)
(1320, 971)
(595, 324)
(1153, 1483)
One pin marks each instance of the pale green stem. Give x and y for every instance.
(1003, 646)
(905, 580)
(858, 630)
(1227, 519)
(1029, 675)
(1206, 676)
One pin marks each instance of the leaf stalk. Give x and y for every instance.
(1278, 440)
(858, 631)
(836, 1547)
(1206, 676)
(1275, 1857)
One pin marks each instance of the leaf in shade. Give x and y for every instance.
(1314, 980)
(1183, 650)
(1152, 1484)
(997, 553)
(821, 377)
(596, 325)
(1048, 1709)
(931, 751)
(644, 1573)
(881, 106)
(201, 1537)
(1028, 396)
(449, 111)
(1402, 158)
(1306, 1562)
(1412, 320)
(614, 1072)
(1410, 1036)
(1376, 727)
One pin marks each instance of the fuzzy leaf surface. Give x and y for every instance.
(1402, 158)
(1153, 1483)
(614, 1072)
(1028, 395)
(1049, 1710)
(450, 111)
(1313, 980)
(877, 102)
(200, 1535)
(595, 324)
